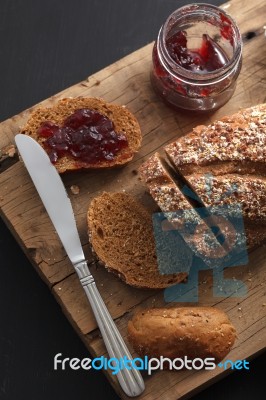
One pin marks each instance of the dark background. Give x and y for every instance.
(46, 46)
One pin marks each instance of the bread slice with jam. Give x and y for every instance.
(85, 133)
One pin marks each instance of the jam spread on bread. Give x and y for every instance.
(209, 57)
(86, 135)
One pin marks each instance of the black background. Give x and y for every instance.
(46, 46)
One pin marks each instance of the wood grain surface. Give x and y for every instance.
(127, 82)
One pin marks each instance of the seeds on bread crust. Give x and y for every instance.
(224, 165)
(182, 331)
(233, 144)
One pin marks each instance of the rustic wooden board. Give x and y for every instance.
(127, 82)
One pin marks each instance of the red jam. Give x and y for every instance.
(197, 58)
(207, 58)
(226, 28)
(86, 136)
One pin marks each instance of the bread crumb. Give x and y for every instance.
(11, 151)
(75, 189)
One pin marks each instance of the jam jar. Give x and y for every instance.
(197, 58)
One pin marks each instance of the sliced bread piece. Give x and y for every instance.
(180, 211)
(121, 235)
(124, 122)
(235, 144)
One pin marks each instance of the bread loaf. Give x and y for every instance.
(249, 192)
(125, 126)
(182, 331)
(121, 234)
(162, 188)
(235, 144)
(178, 209)
(224, 165)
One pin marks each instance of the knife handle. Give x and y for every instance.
(130, 380)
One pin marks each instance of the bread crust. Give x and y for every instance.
(224, 164)
(171, 200)
(227, 190)
(246, 191)
(234, 144)
(124, 121)
(182, 331)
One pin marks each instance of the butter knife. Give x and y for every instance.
(58, 206)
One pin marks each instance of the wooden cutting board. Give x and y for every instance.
(127, 82)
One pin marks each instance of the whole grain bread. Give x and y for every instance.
(124, 121)
(195, 332)
(248, 191)
(121, 235)
(224, 165)
(180, 211)
(224, 194)
(234, 144)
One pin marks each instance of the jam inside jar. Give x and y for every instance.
(197, 58)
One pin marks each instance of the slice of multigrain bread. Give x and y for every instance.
(121, 235)
(124, 122)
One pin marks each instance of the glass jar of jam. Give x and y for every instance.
(197, 58)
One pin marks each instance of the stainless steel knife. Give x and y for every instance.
(57, 203)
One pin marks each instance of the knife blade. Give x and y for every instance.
(58, 206)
